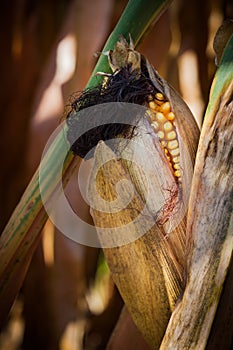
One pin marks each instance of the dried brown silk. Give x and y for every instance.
(124, 85)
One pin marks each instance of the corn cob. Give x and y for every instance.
(162, 120)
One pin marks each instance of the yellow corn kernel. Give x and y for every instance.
(160, 134)
(171, 135)
(152, 105)
(171, 116)
(160, 117)
(176, 159)
(165, 107)
(176, 166)
(164, 144)
(159, 96)
(177, 173)
(172, 144)
(175, 152)
(168, 126)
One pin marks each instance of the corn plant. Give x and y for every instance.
(170, 278)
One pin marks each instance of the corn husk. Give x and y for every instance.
(144, 240)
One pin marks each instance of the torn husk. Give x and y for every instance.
(147, 263)
(139, 185)
(210, 221)
(136, 267)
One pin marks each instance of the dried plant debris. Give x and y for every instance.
(133, 81)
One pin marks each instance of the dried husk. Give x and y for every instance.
(210, 221)
(137, 273)
(148, 270)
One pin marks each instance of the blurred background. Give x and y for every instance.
(68, 300)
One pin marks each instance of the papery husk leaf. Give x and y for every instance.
(149, 270)
(137, 274)
(210, 224)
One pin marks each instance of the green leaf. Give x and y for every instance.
(136, 20)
